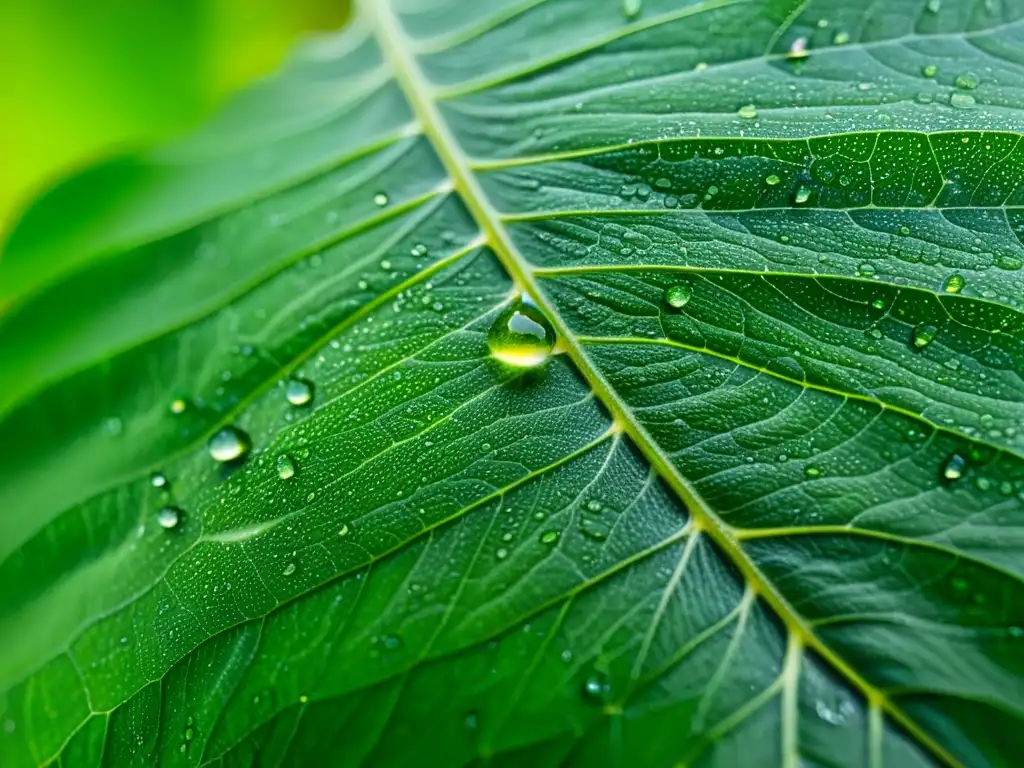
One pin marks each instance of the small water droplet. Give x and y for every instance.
(298, 391)
(501, 554)
(289, 569)
(391, 642)
(631, 8)
(841, 38)
(924, 335)
(380, 199)
(812, 471)
(961, 100)
(549, 537)
(178, 406)
(595, 687)
(678, 295)
(158, 480)
(959, 584)
(594, 506)
(878, 303)
(803, 194)
(285, 467)
(966, 80)
(954, 468)
(747, 111)
(521, 335)
(168, 517)
(229, 444)
(798, 50)
(343, 531)
(954, 283)
(929, 70)
(933, 5)
(772, 179)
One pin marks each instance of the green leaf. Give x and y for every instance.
(764, 505)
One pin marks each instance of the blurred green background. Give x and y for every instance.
(82, 80)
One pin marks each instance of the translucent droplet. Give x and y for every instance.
(678, 295)
(933, 5)
(954, 283)
(549, 537)
(812, 471)
(289, 569)
(772, 180)
(961, 100)
(158, 480)
(631, 8)
(178, 406)
(229, 444)
(929, 70)
(966, 80)
(168, 517)
(841, 38)
(878, 303)
(521, 335)
(748, 111)
(924, 335)
(343, 531)
(502, 553)
(380, 199)
(285, 467)
(594, 505)
(391, 642)
(803, 194)
(798, 50)
(298, 391)
(595, 686)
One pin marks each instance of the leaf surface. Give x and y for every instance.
(762, 507)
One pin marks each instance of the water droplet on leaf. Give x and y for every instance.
(678, 295)
(747, 111)
(954, 468)
(285, 467)
(924, 335)
(229, 444)
(298, 392)
(521, 335)
(168, 517)
(954, 283)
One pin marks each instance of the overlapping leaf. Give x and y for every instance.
(763, 507)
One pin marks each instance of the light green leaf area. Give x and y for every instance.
(762, 506)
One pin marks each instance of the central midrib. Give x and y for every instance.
(420, 94)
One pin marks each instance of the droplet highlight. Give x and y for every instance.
(924, 335)
(285, 467)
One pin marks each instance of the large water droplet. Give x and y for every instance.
(631, 8)
(954, 283)
(747, 111)
(229, 444)
(678, 295)
(285, 467)
(380, 199)
(168, 517)
(549, 537)
(521, 335)
(924, 335)
(772, 179)
(954, 468)
(803, 194)
(929, 70)
(966, 80)
(961, 100)
(289, 569)
(158, 479)
(298, 391)
(798, 50)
